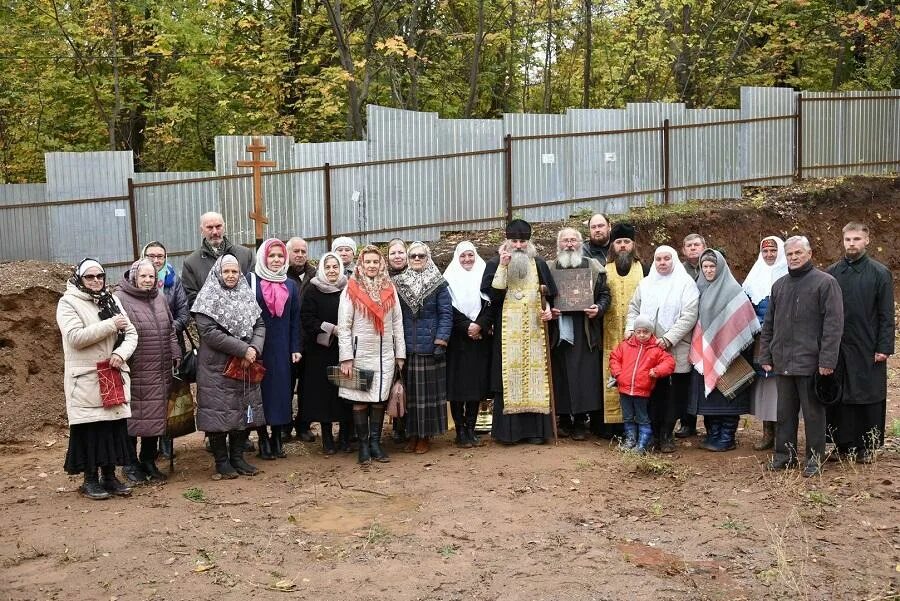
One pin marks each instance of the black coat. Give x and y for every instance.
(469, 361)
(319, 400)
(868, 293)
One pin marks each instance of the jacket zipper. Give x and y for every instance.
(636, 363)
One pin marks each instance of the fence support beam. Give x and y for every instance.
(507, 182)
(666, 132)
(326, 182)
(132, 215)
(798, 138)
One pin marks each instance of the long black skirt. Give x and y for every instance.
(519, 426)
(668, 401)
(859, 427)
(96, 444)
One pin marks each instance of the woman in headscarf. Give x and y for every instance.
(319, 317)
(771, 264)
(150, 366)
(427, 324)
(279, 300)
(370, 337)
(725, 329)
(469, 351)
(396, 257)
(167, 280)
(230, 324)
(668, 297)
(95, 330)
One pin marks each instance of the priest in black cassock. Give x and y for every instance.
(520, 370)
(857, 423)
(577, 342)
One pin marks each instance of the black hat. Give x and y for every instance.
(829, 389)
(518, 229)
(622, 230)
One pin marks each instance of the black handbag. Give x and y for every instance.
(187, 370)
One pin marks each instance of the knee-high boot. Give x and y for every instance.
(237, 440)
(265, 445)
(219, 448)
(327, 438)
(459, 423)
(376, 424)
(471, 418)
(361, 423)
(278, 442)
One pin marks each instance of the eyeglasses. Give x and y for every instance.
(90, 277)
(155, 256)
(417, 256)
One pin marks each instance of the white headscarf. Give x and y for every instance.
(321, 282)
(663, 297)
(758, 284)
(465, 286)
(343, 241)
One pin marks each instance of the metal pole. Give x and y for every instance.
(326, 178)
(665, 160)
(798, 138)
(132, 214)
(507, 168)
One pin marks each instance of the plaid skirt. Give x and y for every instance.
(426, 395)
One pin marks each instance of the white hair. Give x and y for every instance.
(801, 241)
(295, 240)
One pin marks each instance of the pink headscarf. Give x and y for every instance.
(274, 290)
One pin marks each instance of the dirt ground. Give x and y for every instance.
(577, 521)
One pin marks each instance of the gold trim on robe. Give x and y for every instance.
(621, 289)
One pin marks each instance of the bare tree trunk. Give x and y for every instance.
(355, 99)
(476, 63)
(588, 52)
(117, 106)
(548, 54)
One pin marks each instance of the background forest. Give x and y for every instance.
(164, 77)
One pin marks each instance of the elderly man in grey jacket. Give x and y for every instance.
(801, 335)
(214, 244)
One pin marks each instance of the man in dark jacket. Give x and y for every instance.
(577, 341)
(801, 336)
(299, 270)
(215, 244)
(598, 243)
(857, 423)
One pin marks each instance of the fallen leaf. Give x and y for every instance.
(204, 567)
(284, 585)
(170, 561)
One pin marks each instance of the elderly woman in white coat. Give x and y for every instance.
(370, 336)
(670, 299)
(96, 335)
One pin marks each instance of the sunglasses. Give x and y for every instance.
(90, 277)
(417, 256)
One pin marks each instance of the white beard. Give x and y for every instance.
(520, 262)
(568, 259)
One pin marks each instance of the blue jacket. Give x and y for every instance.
(433, 321)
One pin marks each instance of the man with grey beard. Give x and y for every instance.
(520, 375)
(575, 339)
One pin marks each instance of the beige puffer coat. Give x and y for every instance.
(86, 341)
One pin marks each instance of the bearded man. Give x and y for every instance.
(520, 377)
(598, 242)
(576, 342)
(623, 274)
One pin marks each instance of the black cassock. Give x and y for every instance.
(469, 361)
(519, 426)
(867, 289)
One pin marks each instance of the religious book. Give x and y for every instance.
(575, 289)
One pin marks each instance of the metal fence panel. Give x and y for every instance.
(767, 147)
(645, 148)
(101, 230)
(473, 186)
(540, 168)
(704, 155)
(24, 232)
(599, 163)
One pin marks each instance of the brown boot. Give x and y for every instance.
(423, 446)
(768, 439)
(411, 443)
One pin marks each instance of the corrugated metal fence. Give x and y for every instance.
(417, 174)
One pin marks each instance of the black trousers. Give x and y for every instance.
(795, 393)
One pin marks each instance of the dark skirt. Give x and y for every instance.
(469, 368)
(519, 426)
(96, 444)
(319, 400)
(426, 395)
(668, 401)
(859, 427)
(716, 403)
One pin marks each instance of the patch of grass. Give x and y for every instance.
(582, 464)
(448, 551)
(656, 509)
(734, 525)
(377, 535)
(817, 497)
(894, 428)
(650, 465)
(194, 494)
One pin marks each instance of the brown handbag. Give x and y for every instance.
(396, 406)
(254, 374)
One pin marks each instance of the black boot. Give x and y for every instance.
(265, 445)
(111, 484)
(667, 439)
(92, 488)
(147, 459)
(579, 428)
(399, 430)
(327, 438)
(278, 443)
(361, 423)
(376, 425)
(166, 449)
(219, 449)
(135, 474)
(304, 433)
(237, 439)
(344, 436)
(471, 419)
(459, 423)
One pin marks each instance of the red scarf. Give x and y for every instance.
(371, 309)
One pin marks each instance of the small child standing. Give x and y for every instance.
(636, 364)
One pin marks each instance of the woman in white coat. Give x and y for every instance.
(370, 336)
(97, 336)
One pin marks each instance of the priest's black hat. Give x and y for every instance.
(518, 229)
(622, 230)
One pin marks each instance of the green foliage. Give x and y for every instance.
(164, 78)
(194, 494)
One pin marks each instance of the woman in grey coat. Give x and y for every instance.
(231, 326)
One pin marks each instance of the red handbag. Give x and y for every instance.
(112, 386)
(254, 374)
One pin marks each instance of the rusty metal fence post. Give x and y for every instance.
(507, 168)
(666, 133)
(132, 215)
(798, 138)
(326, 182)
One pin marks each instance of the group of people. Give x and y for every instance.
(649, 344)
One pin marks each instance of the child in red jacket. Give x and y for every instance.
(636, 364)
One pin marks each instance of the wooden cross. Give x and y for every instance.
(256, 150)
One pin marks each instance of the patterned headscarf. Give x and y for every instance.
(415, 286)
(372, 297)
(234, 309)
(322, 283)
(132, 273)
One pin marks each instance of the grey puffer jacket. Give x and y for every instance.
(151, 362)
(222, 401)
